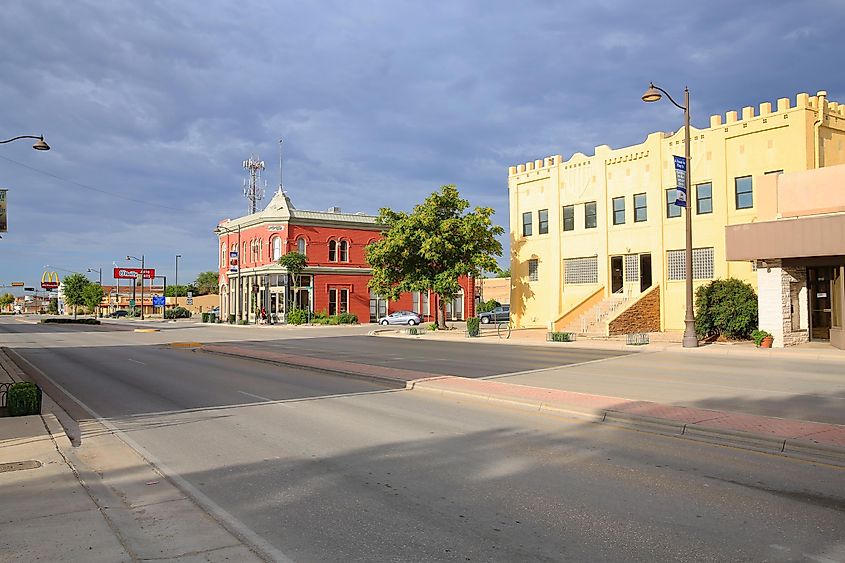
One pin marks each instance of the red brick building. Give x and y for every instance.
(335, 279)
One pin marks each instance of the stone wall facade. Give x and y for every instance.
(642, 316)
(782, 302)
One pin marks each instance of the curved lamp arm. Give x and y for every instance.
(668, 95)
(40, 145)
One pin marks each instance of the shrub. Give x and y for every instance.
(347, 319)
(23, 399)
(179, 313)
(725, 307)
(432, 326)
(561, 337)
(205, 317)
(758, 335)
(319, 316)
(487, 306)
(231, 318)
(297, 316)
(473, 326)
(70, 321)
(243, 322)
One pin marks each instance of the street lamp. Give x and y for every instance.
(653, 94)
(141, 260)
(39, 145)
(99, 271)
(218, 231)
(176, 280)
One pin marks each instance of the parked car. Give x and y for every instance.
(119, 314)
(401, 318)
(502, 313)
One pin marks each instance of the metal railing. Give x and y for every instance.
(4, 391)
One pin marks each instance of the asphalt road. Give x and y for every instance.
(433, 356)
(328, 468)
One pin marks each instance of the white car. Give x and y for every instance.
(401, 318)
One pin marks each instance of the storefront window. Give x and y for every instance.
(836, 298)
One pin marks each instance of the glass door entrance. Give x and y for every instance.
(617, 281)
(819, 286)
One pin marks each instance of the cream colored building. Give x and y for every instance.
(597, 243)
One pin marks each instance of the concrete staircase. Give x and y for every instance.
(593, 323)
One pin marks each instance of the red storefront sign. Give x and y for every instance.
(133, 273)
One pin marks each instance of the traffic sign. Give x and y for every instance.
(190, 300)
(132, 303)
(158, 301)
(17, 284)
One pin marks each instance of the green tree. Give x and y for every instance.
(726, 307)
(294, 262)
(207, 282)
(180, 290)
(53, 306)
(73, 288)
(433, 246)
(6, 299)
(92, 295)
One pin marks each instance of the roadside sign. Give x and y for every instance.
(190, 300)
(17, 284)
(681, 181)
(158, 301)
(190, 294)
(49, 280)
(131, 302)
(29, 289)
(132, 273)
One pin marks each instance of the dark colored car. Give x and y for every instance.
(502, 313)
(119, 314)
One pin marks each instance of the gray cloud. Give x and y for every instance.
(379, 103)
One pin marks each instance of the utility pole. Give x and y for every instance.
(176, 281)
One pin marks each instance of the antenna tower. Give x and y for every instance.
(253, 190)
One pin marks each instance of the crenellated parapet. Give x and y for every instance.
(766, 110)
(535, 165)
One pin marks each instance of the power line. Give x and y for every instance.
(99, 190)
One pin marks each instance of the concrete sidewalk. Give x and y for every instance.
(98, 502)
(801, 438)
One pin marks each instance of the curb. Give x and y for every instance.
(793, 447)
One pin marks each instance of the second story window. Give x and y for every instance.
(744, 192)
(543, 222)
(619, 211)
(344, 251)
(300, 246)
(704, 198)
(332, 251)
(672, 210)
(569, 217)
(589, 215)
(526, 224)
(277, 248)
(640, 208)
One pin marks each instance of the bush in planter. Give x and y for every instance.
(725, 307)
(205, 317)
(297, 316)
(23, 399)
(347, 319)
(473, 326)
(178, 313)
(758, 336)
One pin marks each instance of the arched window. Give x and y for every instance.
(344, 251)
(332, 251)
(222, 254)
(243, 251)
(277, 248)
(300, 246)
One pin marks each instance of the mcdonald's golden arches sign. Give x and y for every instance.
(49, 280)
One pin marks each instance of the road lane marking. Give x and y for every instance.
(255, 396)
(136, 361)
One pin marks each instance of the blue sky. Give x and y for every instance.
(151, 107)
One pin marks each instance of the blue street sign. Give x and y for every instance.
(158, 301)
(681, 181)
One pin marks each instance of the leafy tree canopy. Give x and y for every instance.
(92, 295)
(73, 289)
(179, 290)
(433, 246)
(295, 262)
(207, 282)
(6, 299)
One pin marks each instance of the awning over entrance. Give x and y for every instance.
(804, 237)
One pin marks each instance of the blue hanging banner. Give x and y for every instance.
(681, 177)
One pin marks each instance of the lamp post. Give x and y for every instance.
(99, 271)
(176, 280)
(653, 94)
(141, 260)
(39, 145)
(218, 231)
